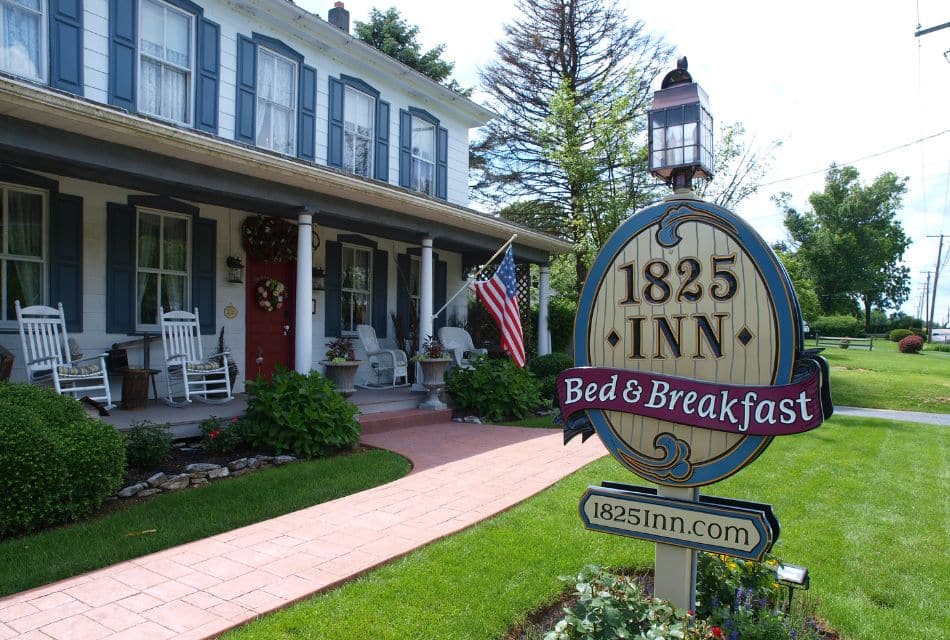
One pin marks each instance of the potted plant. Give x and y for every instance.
(341, 364)
(235, 269)
(233, 370)
(434, 361)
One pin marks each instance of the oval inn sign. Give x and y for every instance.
(688, 348)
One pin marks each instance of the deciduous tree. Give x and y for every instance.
(850, 241)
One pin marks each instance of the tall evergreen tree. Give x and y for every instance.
(585, 51)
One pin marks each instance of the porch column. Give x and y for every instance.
(544, 295)
(425, 291)
(303, 333)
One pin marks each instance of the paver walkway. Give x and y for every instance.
(462, 474)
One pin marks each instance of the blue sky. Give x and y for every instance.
(835, 81)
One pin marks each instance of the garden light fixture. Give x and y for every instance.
(793, 577)
(681, 139)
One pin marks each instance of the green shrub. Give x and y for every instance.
(147, 444)
(911, 344)
(720, 579)
(221, 436)
(299, 414)
(547, 367)
(899, 334)
(58, 464)
(939, 347)
(495, 388)
(561, 313)
(837, 326)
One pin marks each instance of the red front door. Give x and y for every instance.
(270, 334)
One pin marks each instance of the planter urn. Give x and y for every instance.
(433, 376)
(343, 375)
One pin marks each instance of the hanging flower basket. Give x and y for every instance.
(270, 294)
(269, 239)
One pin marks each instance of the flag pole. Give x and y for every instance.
(475, 276)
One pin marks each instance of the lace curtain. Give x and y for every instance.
(276, 102)
(24, 235)
(21, 37)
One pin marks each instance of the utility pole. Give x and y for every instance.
(933, 299)
(924, 295)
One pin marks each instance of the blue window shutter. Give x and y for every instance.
(203, 276)
(209, 70)
(442, 163)
(66, 257)
(120, 268)
(122, 37)
(334, 285)
(246, 90)
(439, 295)
(381, 159)
(335, 128)
(66, 48)
(307, 114)
(380, 289)
(405, 148)
(403, 271)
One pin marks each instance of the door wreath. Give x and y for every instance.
(271, 294)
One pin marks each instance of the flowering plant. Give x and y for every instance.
(234, 262)
(270, 239)
(341, 350)
(271, 294)
(432, 349)
(220, 436)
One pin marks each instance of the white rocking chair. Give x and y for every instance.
(186, 368)
(47, 357)
(458, 343)
(383, 361)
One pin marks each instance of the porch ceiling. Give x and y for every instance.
(63, 134)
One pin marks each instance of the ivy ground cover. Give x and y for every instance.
(862, 504)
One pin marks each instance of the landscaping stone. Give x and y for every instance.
(241, 472)
(221, 472)
(201, 467)
(157, 479)
(197, 482)
(132, 489)
(174, 483)
(235, 465)
(253, 463)
(148, 492)
(282, 460)
(472, 420)
(198, 474)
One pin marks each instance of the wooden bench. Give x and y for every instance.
(833, 341)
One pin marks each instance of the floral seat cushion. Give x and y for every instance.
(85, 371)
(207, 365)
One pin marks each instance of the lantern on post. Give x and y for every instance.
(681, 139)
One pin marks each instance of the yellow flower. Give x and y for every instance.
(732, 565)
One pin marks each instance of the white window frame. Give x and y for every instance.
(348, 103)
(160, 271)
(417, 158)
(5, 255)
(294, 114)
(349, 291)
(44, 41)
(190, 71)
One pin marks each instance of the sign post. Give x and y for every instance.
(689, 359)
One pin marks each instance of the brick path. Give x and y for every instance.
(462, 474)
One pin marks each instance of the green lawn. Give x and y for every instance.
(887, 379)
(862, 503)
(181, 517)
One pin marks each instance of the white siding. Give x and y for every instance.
(234, 22)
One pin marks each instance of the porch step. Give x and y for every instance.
(394, 420)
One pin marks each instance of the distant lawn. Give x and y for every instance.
(887, 379)
(535, 422)
(862, 504)
(189, 515)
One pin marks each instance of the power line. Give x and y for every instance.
(861, 159)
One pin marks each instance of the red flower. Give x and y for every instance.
(214, 434)
(716, 632)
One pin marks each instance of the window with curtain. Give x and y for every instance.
(165, 61)
(22, 242)
(356, 274)
(423, 156)
(359, 114)
(23, 36)
(276, 102)
(163, 273)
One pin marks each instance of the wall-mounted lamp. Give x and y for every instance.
(319, 278)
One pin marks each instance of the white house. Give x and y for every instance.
(137, 135)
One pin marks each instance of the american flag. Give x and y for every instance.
(500, 296)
